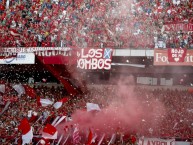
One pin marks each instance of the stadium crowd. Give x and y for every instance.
(95, 23)
(176, 123)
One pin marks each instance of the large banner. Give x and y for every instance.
(178, 26)
(161, 58)
(95, 58)
(48, 55)
(156, 141)
(57, 56)
(87, 58)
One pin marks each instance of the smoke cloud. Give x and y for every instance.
(124, 111)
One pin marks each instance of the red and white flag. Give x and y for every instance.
(58, 104)
(14, 32)
(27, 133)
(49, 132)
(92, 107)
(44, 102)
(75, 136)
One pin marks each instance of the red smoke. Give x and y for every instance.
(125, 112)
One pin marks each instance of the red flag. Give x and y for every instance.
(64, 100)
(49, 129)
(49, 132)
(24, 126)
(89, 141)
(34, 117)
(38, 101)
(29, 91)
(133, 139)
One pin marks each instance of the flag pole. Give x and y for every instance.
(94, 138)
(53, 142)
(101, 139)
(60, 139)
(55, 120)
(66, 139)
(38, 142)
(42, 124)
(112, 138)
(37, 120)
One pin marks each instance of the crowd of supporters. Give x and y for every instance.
(94, 23)
(28, 106)
(175, 123)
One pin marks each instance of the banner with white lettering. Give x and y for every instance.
(178, 27)
(156, 141)
(47, 56)
(88, 58)
(93, 59)
(161, 58)
(57, 56)
(176, 54)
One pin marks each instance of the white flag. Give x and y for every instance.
(27, 138)
(2, 88)
(46, 102)
(19, 88)
(92, 107)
